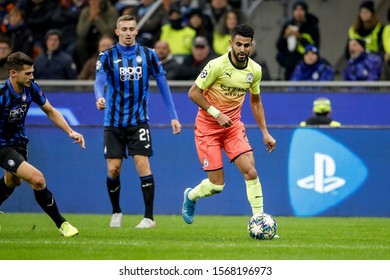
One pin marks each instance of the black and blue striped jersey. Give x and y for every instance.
(13, 111)
(128, 70)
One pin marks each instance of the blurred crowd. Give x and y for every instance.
(65, 36)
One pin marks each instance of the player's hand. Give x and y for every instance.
(176, 126)
(101, 103)
(269, 142)
(79, 138)
(224, 120)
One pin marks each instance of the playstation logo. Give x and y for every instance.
(322, 172)
(323, 180)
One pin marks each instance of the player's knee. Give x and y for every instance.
(114, 171)
(13, 182)
(250, 174)
(38, 181)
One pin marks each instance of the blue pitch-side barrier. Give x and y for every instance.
(287, 108)
(313, 172)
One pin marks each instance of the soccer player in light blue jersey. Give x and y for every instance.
(125, 70)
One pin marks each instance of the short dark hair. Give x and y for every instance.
(243, 30)
(6, 40)
(17, 60)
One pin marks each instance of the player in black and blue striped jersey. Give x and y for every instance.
(16, 96)
(122, 90)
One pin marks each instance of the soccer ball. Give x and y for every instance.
(262, 226)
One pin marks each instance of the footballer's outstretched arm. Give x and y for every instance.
(56, 117)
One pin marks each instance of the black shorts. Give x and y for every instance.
(12, 157)
(136, 139)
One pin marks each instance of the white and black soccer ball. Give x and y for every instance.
(262, 226)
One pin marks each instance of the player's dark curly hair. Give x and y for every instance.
(243, 30)
(16, 60)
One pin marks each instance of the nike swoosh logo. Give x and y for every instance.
(117, 61)
(51, 204)
(114, 190)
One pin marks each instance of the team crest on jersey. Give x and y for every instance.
(24, 98)
(203, 74)
(98, 65)
(138, 59)
(249, 77)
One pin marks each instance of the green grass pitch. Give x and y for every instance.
(33, 236)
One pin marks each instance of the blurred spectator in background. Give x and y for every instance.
(295, 34)
(97, 18)
(201, 24)
(65, 18)
(127, 7)
(361, 66)
(88, 72)
(169, 63)
(224, 30)
(321, 114)
(39, 20)
(178, 36)
(216, 10)
(5, 7)
(185, 7)
(313, 67)
(20, 35)
(54, 63)
(5, 51)
(266, 75)
(368, 28)
(386, 46)
(150, 31)
(192, 65)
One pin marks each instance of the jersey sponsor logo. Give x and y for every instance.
(233, 91)
(322, 172)
(130, 73)
(17, 114)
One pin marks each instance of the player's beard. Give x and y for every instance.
(242, 60)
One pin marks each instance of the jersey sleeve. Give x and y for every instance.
(257, 73)
(208, 75)
(102, 63)
(156, 65)
(37, 95)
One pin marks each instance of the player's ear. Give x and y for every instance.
(12, 73)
